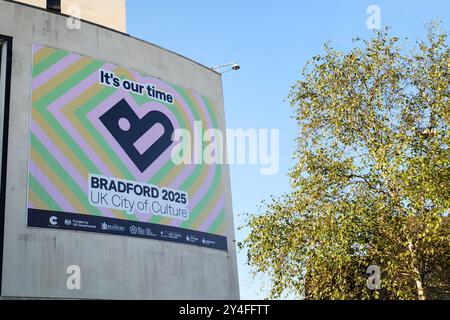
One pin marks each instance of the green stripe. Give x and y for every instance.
(81, 114)
(45, 197)
(140, 100)
(221, 216)
(170, 165)
(165, 170)
(43, 103)
(62, 173)
(78, 77)
(48, 62)
(217, 177)
(206, 198)
(198, 169)
(218, 222)
(145, 98)
(211, 111)
(68, 84)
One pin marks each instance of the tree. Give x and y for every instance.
(372, 181)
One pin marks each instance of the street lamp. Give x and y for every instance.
(231, 66)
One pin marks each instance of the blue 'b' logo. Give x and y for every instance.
(129, 131)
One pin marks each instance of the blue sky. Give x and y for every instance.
(271, 40)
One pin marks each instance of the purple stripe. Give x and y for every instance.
(166, 87)
(64, 162)
(37, 48)
(178, 98)
(181, 178)
(213, 215)
(185, 173)
(189, 168)
(31, 205)
(204, 109)
(55, 109)
(54, 70)
(200, 193)
(149, 138)
(50, 188)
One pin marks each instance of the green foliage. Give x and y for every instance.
(372, 181)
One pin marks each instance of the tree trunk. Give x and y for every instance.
(420, 291)
(417, 278)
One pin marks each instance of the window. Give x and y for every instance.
(54, 5)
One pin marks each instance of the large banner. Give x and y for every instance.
(101, 140)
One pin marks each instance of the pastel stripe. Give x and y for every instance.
(34, 201)
(199, 185)
(36, 48)
(56, 179)
(218, 223)
(50, 204)
(57, 86)
(61, 102)
(48, 186)
(213, 214)
(65, 163)
(206, 205)
(42, 55)
(67, 102)
(198, 195)
(67, 147)
(54, 70)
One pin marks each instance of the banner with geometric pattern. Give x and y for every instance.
(101, 138)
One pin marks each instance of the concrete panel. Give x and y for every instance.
(109, 13)
(35, 260)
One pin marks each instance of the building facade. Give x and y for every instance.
(108, 13)
(91, 205)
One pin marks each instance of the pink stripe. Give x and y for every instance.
(211, 171)
(149, 138)
(166, 87)
(200, 193)
(50, 188)
(55, 109)
(54, 70)
(178, 98)
(204, 109)
(186, 172)
(64, 162)
(213, 215)
(30, 204)
(37, 48)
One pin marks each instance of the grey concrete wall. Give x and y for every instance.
(35, 260)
